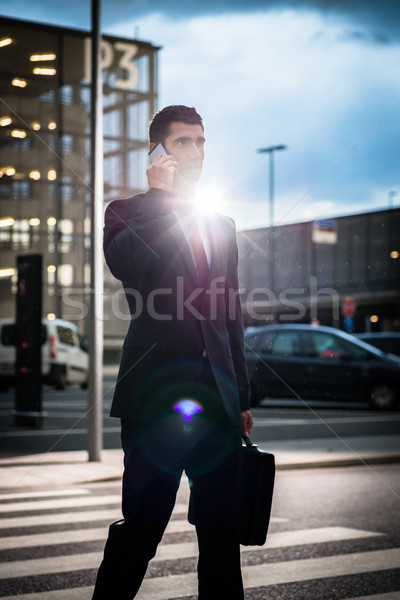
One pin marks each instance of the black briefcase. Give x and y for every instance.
(258, 487)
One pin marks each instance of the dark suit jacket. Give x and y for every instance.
(173, 321)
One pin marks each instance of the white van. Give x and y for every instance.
(65, 356)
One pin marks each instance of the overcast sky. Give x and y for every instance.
(321, 77)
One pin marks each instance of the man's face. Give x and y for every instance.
(186, 144)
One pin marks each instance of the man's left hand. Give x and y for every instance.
(247, 422)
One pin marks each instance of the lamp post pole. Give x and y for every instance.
(96, 254)
(270, 150)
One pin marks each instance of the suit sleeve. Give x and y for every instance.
(132, 231)
(234, 324)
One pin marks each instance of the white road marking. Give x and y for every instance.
(357, 419)
(92, 560)
(110, 514)
(62, 503)
(178, 586)
(76, 535)
(44, 494)
(386, 596)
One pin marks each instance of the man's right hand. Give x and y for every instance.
(161, 173)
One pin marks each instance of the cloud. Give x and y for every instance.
(380, 19)
(314, 80)
(264, 79)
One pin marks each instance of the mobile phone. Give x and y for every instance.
(156, 151)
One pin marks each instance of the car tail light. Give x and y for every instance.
(53, 346)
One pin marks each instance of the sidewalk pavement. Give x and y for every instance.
(68, 468)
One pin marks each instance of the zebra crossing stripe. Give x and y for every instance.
(44, 494)
(77, 562)
(83, 517)
(178, 586)
(61, 503)
(76, 535)
(86, 594)
(386, 596)
(61, 518)
(70, 503)
(321, 568)
(275, 540)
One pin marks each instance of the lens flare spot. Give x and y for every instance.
(188, 408)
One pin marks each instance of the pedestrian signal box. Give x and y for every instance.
(28, 387)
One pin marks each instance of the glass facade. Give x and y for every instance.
(45, 77)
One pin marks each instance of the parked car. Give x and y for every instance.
(65, 356)
(304, 361)
(388, 342)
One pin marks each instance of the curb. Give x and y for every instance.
(342, 462)
(85, 478)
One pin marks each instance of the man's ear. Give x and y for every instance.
(151, 146)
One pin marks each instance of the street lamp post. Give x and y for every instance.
(270, 150)
(95, 396)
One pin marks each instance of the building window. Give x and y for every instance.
(65, 275)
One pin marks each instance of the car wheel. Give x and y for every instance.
(382, 396)
(61, 382)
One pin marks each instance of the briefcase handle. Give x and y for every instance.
(248, 442)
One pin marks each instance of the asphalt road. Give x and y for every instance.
(65, 423)
(334, 535)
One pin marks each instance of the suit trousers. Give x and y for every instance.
(191, 433)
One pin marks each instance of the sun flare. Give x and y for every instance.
(209, 200)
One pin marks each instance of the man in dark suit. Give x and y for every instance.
(182, 389)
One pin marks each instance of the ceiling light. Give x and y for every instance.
(51, 221)
(40, 57)
(44, 71)
(35, 126)
(19, 82)
(34, 222)
(5, 42)
(52, 125)
(7, 272)
(34, 175)
(51, 269)
(10, 171)
(4, 121)
(52, 175)
(18, 133)
(394, 254)
(7, 222)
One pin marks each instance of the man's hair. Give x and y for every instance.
(160, 122)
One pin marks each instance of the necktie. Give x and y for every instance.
(198, 251)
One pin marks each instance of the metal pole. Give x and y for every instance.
(391, 196)
(271, 188)
(270, 150)
(271, 221)
(96, 252)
